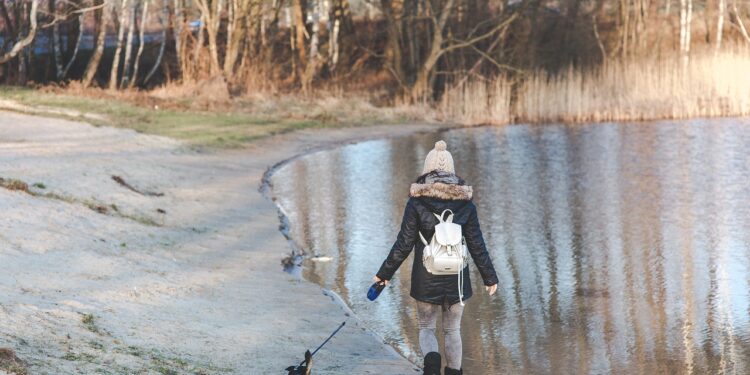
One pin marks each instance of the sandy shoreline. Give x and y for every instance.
(189, 281)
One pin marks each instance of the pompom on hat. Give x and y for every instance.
(439, 159)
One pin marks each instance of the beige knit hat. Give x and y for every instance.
(439, 159)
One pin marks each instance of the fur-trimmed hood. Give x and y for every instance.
(441, 185)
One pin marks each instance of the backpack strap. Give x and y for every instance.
(422, 238)
(450, 217)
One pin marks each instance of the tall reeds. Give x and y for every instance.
(710, 85)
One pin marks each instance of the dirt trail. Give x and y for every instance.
(96, 277)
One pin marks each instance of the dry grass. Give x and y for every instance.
(208, 113)
(645, 89)
(10, 363)
(13, 184)
(478, 102)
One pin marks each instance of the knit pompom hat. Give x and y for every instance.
(439, 159)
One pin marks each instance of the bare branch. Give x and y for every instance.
(23, 43)
(472, 41)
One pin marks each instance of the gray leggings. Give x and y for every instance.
(427, 314)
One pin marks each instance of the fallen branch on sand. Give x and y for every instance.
(123, 183)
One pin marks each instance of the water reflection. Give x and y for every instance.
(620, 248)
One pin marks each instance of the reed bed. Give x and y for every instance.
(709, 85)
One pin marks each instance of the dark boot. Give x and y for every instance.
(450, 371)
(432, 363)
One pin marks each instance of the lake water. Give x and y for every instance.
(620, 248)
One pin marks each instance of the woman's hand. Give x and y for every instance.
(377, 280)
(491, 289)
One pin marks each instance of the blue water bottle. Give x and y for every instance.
(375, 290)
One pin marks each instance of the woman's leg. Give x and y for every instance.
(427, 321)
(452, 331)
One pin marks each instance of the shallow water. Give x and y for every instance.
(620, 248)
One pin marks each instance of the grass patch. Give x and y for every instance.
(162, 363)
(79, 357)
(89, 321)
(230, 124)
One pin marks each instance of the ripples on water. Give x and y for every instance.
(620, 248)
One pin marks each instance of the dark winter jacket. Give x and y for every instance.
(433, 193)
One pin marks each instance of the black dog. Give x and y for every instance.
(304, 368)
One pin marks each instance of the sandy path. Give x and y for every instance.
(199, 292)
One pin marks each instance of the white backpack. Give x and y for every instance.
(446, 253)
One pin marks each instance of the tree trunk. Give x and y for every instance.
(164, 20)
(237, 31)
(720, 24)
(56, 40)
(101, 18)
(129, 47)
(211, 16)
(743, 30)
(300, 31)
(141, 42)
(78, 45)
(686, 15)
(179, 21)
(337, 17)
(19, 46)
(393, 51)
(420, 89)
(311, 69)
(197, 49)
(118, 51)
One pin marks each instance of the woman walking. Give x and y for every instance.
(437, 190)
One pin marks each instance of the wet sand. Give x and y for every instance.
(96, 276)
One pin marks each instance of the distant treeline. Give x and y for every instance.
(408, 49)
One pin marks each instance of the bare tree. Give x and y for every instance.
(686, 17)
(19, 46)
(53, 9)
(129, 47)
(124, 16)
(164, 21)
(738, 18)
(141, 42)
(79, 39)
(101, 17)
(299, 33)
(211, 15)
(720, 24)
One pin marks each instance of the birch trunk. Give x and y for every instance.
(129, 47)
(686, 15)
(20, 45)
(56, 40)
(334, 42)
(178, 38)
(141, 42)
(164, 20)
(312, 64)
(118, 51)
(101, 18)
(78, 45)
(315, 37)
